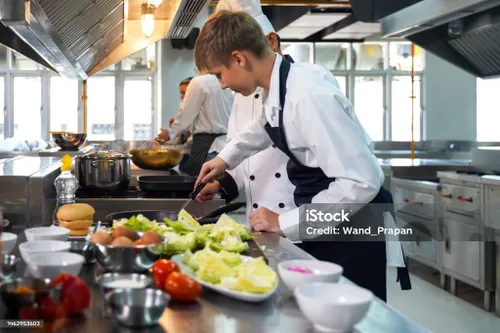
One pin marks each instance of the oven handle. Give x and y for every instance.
(461, 213)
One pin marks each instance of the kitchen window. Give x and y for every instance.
(27, 107)
(122, 99)
(63, 104)
(101, 108)
(300, 52)
(402, 108)
(2, 106)
(369, 105)
(488, 111)
(138, 108)
(376, 77)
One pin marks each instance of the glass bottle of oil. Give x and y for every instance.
(66, 185)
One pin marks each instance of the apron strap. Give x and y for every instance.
(200, 148)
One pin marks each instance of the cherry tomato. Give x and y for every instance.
(182, 287)
(47, 308)
(161, 270)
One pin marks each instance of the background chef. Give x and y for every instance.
(205, 109)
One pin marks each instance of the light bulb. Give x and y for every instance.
(148, 24)
(155, 3)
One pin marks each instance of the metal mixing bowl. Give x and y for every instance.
(85, 248)
(128, 259)
(137, 307)
(8, 267)
(140, 279)
(15, 301)
(69, 141)
(157, 159)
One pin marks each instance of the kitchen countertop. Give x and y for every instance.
(217, 313)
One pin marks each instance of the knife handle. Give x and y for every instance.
(197, 190)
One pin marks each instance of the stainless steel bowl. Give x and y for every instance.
(135, 259)
(14, 301)
(84, 248)
(69, 141)
(141, 280)
(137, 307)
(8, 267)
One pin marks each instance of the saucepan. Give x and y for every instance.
(159, 215)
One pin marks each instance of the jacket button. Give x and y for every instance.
(256, 96)
(255, 206)
(252, 177)
(274, 146)
(277, 175)
(281, 205)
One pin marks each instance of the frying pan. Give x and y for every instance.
(159, 215)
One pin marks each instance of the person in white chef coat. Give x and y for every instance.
(205, 110)
(330, 160)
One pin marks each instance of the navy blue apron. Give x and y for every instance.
(364, 262)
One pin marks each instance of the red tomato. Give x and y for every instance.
(182, 287)
(47, 308)
(28, 313)
(75, 294)
(161, 270)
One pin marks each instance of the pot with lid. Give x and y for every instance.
(104, 170)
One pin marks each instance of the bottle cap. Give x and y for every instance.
(66, 161)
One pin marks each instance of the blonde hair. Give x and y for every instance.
(226, 32)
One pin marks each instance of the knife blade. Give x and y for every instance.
(191, 197)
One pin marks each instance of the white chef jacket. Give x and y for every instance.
(205, 109)
(321, 132)
(266, 169)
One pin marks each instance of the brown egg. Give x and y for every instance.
(122, 241)
(151, 237)
(138, 242)
(101, 237)
(122, 231)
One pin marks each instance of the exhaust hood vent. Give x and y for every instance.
(186, 17)
(462, 32)
(78, 38)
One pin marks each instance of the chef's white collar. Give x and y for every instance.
(271, 97)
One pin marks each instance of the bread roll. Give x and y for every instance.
(79, 232)
(77, 211)
(75, 225)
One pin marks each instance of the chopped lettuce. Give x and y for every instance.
(227, 239)
(230, 271)
(202, 234)
(185, 224)
(178, 243)
(140, 223)
(252, 277)
(213, 269)
(226, 222)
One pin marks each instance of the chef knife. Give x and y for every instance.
(191, 197)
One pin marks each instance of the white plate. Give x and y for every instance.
(240, 295)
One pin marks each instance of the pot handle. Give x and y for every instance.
(111, 164)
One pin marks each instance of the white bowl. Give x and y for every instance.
(321, 271)
(333, 307)
(49, 266)
(30, 248)
(47, 233)
(8, 242)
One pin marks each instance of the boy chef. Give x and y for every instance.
(330, 159)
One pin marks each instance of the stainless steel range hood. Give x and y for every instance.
(78, 38)
(466, 33)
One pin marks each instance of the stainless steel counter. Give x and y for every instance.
(421, 169)
(215, 313)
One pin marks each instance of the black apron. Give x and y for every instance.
(364, 262)
(199, 150)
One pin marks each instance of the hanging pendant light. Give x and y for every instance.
(147, 21)
(155, 3)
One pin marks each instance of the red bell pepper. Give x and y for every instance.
(75, 294)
